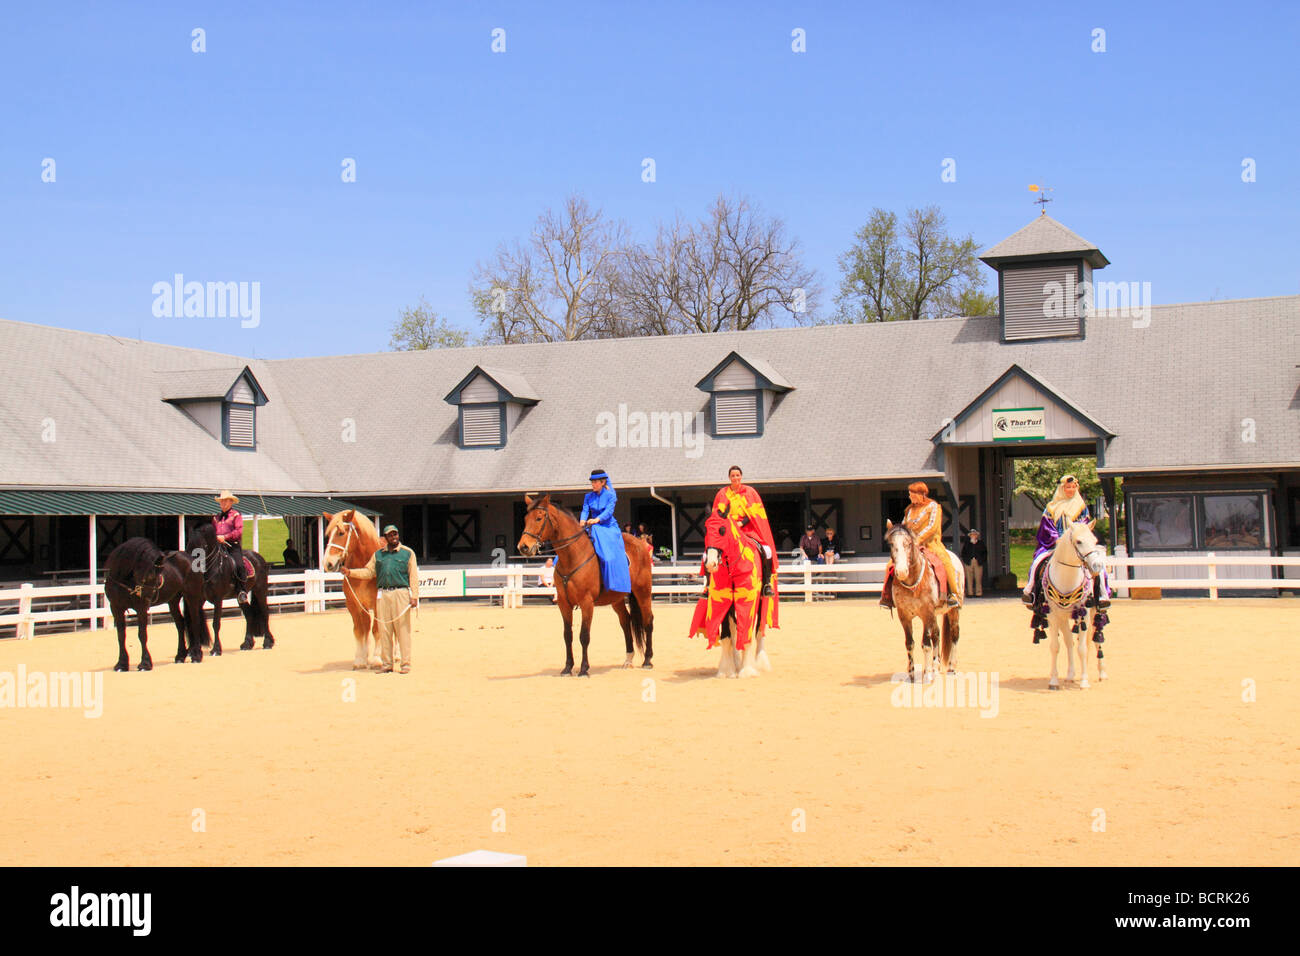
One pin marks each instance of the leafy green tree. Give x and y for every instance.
(1037, 477)
(419, 327)
(913, 270)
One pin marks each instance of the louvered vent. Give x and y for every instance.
(240, 427)
(243, 392)
(1040, 302)
(481, 424)
(736, 414)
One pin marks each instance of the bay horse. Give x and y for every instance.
(139, 576)
(734, 613)
(1067, 583)
(351, 541)
(217, 568)
(578, 583)
(915, 588)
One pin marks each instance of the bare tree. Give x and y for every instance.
(734, 270)
(560, 285)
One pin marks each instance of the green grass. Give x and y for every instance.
(1021, 556)
(271, 536)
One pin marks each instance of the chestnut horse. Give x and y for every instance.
(577, 579)
(734, 612)
(351, 541)
(916, 594)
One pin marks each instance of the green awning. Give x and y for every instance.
(39, 502)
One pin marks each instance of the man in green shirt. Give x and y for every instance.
(398, 577)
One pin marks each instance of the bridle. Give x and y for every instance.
(557, 546)
(347, 542)
(1060, 598)
(921, 562)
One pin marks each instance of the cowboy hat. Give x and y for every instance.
(224, 496)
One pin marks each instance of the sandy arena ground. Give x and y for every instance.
(686, 770)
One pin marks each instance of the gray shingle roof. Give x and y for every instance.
(1175, 393)
(1043, 237)
(198, 383)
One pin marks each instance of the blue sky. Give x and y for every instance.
(225, 165)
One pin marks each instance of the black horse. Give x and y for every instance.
(218, 571)
(137, 577)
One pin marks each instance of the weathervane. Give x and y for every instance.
(1043, 199)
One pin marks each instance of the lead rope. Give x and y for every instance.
(344, 547)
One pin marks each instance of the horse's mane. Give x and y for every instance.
(558, 507)
(132, 552)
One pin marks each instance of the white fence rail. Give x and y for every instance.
(28, 607)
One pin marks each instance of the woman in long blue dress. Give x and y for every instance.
(598, 516)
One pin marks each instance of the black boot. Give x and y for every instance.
(766, 565)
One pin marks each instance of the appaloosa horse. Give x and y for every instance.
(916, 595)
(217, 567)
(351, 541)
(139, 576)
(578, 584)
(734, 612)
(1067, 584)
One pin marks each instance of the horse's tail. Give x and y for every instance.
(638, 622)
(257, 613)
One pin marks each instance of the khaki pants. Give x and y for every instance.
(393, 609)
(974, 578)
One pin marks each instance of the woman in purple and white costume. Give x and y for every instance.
(1067, 505)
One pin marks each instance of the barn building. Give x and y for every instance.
(1195, 406)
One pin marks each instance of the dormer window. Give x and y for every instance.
(491, 402)
(743, 392)
(223, 402)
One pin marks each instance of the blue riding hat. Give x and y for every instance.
(599, 473)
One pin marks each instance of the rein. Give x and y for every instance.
(922, 562)
(344, 547)
(559, 546)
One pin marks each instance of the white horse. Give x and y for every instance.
(1066, 589)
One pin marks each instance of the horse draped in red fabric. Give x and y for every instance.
(734, 613)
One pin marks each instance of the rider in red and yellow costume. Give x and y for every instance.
(746, 508)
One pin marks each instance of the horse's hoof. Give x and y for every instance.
(215, 652)
(1053, 686)
(1084, 685)
(268, 644)
(121, 666)
(627, 665)
(145, 666)
(358, 667)
(179, 658)
(246, 646)
(567, 672)
(196, 658)
(647, 666)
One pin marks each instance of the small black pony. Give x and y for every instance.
(137, 577)
(218, 570)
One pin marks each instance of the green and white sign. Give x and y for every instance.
(1016, 424)
(436, 584)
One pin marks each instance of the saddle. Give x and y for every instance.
(940, 573)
